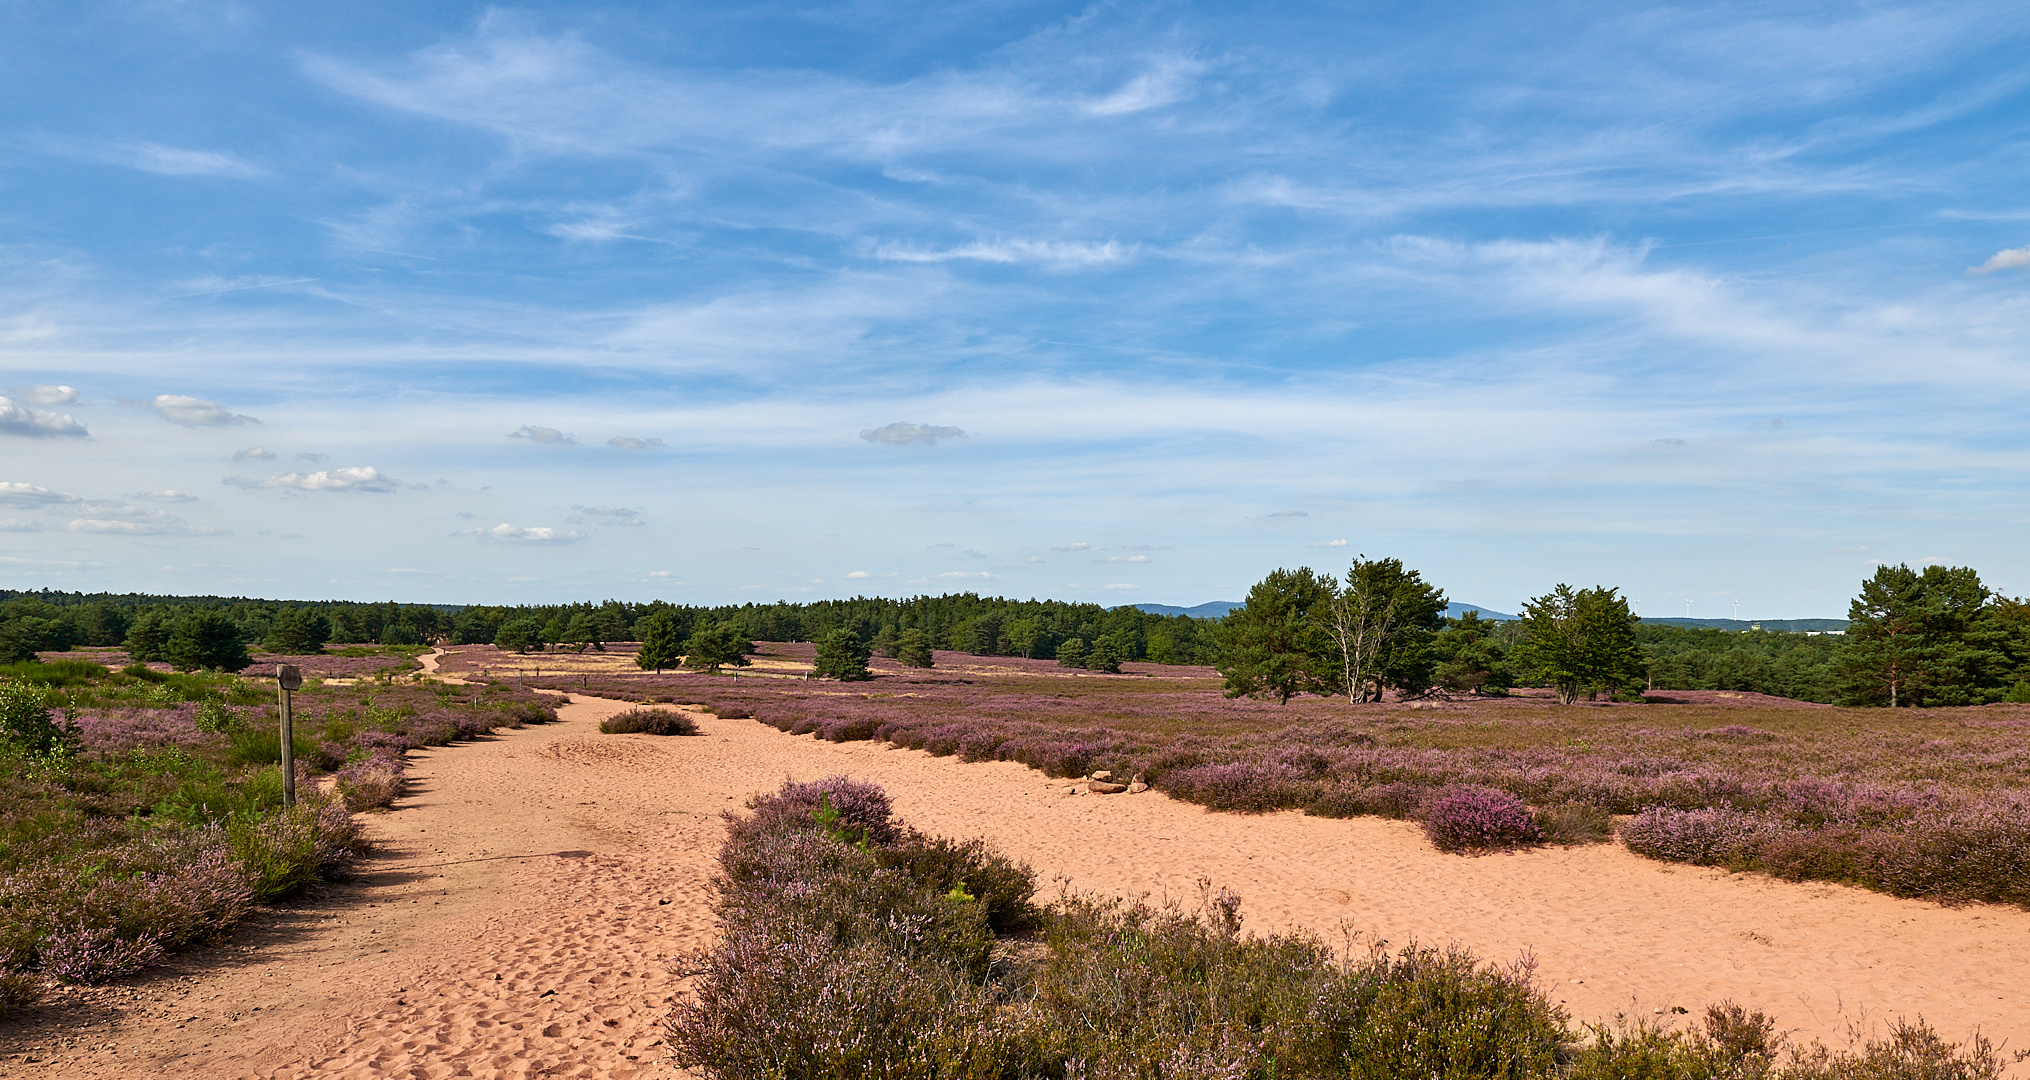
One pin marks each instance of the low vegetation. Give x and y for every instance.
(141, 810)
(1928, 803)
(852, 945)
(649, 722)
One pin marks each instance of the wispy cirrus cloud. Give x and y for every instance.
(181, 161)
(120, 519)
(1053, 252)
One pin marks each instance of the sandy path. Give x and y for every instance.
(535, 884)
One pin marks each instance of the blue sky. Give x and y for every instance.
(1114, 302)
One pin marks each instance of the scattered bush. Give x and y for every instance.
(371, 784)
(1574, 823)
(316, 839)
(18, 990)
(1478, 819)
(649, 722)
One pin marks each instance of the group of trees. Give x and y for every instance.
(1302, 633)
(1934, 637)
(1915, 638)
(1382, 627)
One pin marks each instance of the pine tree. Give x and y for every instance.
(717, 645)
(842, 656)
(659, 647)
(912, 648)
(1277, 645)
(206, 638)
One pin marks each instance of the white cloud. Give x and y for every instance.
(357, 478)
(167, 495)
(620, 515)
(9, 525)
(962, 575)
(1080, 546)
(2008, 259)
(1123, 559)
(313, 458)
(16, 493)
(177, 161)
(1164, 84)
(541, 534)
(1291, 514)
(254, 453)
(197, 412)
(901, 433)
(38, 423)
(1119, 585)
(859, 574)
(1328, 544)
(117, 519)
(44, 395)
(629, 442)
(537, 434)
(1063, 253)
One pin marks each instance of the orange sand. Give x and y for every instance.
(532, 889)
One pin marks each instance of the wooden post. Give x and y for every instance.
(289, 679)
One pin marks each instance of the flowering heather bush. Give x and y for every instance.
(1714, 836)
(649, 722)
(372, 784)
(861, 810)
(1470, 819)
(841, 959)
(89, 920)
(166, 824)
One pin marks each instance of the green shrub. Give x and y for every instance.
(1574, 823)
(26, 723)
(284, 852)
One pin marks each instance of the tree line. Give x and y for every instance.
(32, 622)
(1933, 637)
(1936, 636)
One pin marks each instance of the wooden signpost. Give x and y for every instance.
(289, 679)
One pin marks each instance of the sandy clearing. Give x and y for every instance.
(516, 923)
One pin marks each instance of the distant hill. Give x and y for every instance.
(1217, 609)
(1785, 626)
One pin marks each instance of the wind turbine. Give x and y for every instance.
(1737, 610)
(1688, 607)
(1638, 609)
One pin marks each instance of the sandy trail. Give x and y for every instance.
(533, 887)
